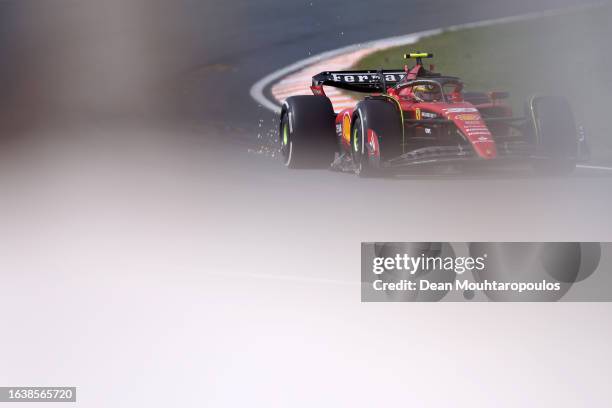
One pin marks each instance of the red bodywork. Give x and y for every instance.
(464, 115)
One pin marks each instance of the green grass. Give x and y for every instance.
(569, 55)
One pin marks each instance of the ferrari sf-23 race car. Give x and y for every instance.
(414, 116)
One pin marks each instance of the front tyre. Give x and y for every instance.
(307, 136)
(556, 135)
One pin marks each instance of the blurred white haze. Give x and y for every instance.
(149, 260)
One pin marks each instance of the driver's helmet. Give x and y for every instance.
(427, 93)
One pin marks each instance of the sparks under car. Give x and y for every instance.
(416, 117)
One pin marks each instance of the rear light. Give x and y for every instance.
(317, 90)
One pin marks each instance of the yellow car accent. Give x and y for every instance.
(286, 134)
(346, 129)
(418, 55)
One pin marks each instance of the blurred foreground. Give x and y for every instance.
(149, 265)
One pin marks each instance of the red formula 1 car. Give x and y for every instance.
(415, 117)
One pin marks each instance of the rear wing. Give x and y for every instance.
(359, 81)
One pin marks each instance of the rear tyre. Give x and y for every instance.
(365, 165)
(307, 136)
(555, 135)
(376, 135)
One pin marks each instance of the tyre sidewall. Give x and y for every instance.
(384, 119)
(311, 139)
(555, 134)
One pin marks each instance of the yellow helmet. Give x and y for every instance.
(427, 93)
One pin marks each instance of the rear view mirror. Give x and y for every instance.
(499, 95)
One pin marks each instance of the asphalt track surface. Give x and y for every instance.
(161, 262)
(261, 37)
